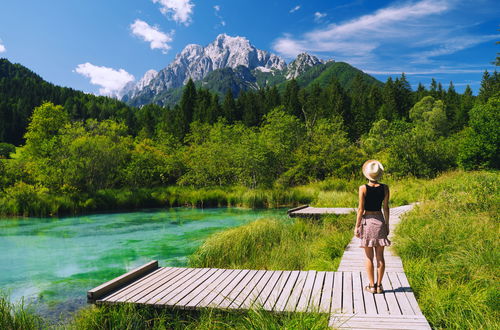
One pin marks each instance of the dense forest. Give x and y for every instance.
(78, 143)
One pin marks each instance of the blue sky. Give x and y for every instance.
(99, 45)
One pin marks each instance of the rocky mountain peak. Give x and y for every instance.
(301, 64)
(196, 62)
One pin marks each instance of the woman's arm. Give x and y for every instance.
(361, 210)
(386, 207)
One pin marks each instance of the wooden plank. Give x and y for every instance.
(166, 278)
(212, 285)
(409, 293)
(222, 295)
(243, 295)
(179, 292)
(105, 288)
(205, 302)
(357, 291)
(316, 292)
(390, 297)
(200, 289)
(138, 286)
(347, 303)
(306, 292)
(237, 289)
(369, 298)
(381, 304)
(253, 297)
(166, 285)
(295, 295)
(326, 296)
(360, 321)
(403, 302)
(266, 290)
(287, 290)
(275, 294)
(337, 293)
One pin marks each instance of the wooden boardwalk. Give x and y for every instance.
(306, 211)
(338, 293)
(397, 308)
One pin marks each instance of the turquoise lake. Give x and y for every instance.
(52, 262)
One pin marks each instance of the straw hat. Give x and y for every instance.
(373, 170)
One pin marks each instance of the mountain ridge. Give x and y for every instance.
(227, 63)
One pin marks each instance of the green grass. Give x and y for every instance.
(449, 246)
(18, 316)
(135, 317)
(451, 253)
(27, 200)
(278, 244)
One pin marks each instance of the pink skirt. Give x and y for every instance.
(373, 231)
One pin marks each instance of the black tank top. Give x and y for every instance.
(374, 197)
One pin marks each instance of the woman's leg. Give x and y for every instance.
(379, 251)
(369, 264)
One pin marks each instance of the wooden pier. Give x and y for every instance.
(306, 211)
(340, 293)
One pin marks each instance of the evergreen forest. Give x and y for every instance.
(59, 143)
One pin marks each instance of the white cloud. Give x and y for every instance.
(450, 46)
(222, 22)
(2, 48)
(111, 81)
(294, 9)
(318, 16)
(178, 10)
(365, 33)
(425, 72)
(152, 34)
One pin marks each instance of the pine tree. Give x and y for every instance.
(203, 101)
(403, 96)
(214, 111)
(187, 105)
(229, 107)
(375, 100)
(291, 99)
(388, 110)
(360, 111)
(466, 104)
(273, 98)
(433, 88)
(490, 85)
(452, 104)
(338, 102)
(420, 93)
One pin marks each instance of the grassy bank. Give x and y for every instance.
(448, 244)
(18, 316)
(451, 253)
(294, 244)
(27, 200)
(133, 317)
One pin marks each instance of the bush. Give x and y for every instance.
(480, 148)
(6, 149)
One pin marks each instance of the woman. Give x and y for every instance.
(371, 225)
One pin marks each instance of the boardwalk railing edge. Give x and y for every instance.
(296, 209)
(120, 281)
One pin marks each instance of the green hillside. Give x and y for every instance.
(21, 90)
